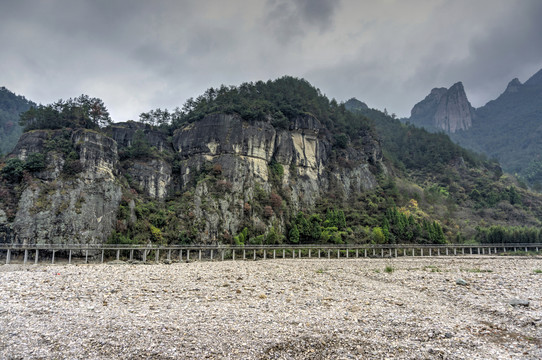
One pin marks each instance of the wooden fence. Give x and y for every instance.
(156, 253)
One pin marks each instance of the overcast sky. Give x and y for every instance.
(140, 55)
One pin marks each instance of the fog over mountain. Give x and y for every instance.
(157, 54)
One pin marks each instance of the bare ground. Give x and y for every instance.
(407, 308)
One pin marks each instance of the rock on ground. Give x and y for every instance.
(274, 309)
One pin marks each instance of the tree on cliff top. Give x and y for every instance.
(81, 112)
(279, 101)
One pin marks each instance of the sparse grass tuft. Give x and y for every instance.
(478, 270)
(537, 271)
(433, 268)
(389, 269)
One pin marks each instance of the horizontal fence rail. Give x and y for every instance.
(156, 253)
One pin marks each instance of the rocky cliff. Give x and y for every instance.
(74, 198)
(218, 175)
(298, 163)
(444, 109)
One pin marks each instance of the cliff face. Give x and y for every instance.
(220, 170)
(72, 200)
(152, 176)
(444, 109)
(244, 154)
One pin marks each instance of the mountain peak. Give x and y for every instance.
(458, 86)
(444, 109)
(354, 104)
(536, 79)
(513, 86)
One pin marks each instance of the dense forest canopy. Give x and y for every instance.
(278, 101)
(80, 112)
(409, 147)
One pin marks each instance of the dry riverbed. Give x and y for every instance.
(407, 308)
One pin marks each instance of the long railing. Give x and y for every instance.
(156, 253)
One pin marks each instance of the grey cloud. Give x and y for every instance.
(508, 48)
(139, 55)
(289, 20)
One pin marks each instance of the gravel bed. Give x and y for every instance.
(405, 308)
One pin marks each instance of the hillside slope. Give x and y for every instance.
(11, 106)
(260, 163)
(508, 128)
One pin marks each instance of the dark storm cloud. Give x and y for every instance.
(137, 55)
(484, 44)
(510, 48)
(289, 20)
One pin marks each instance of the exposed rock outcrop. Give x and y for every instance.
(444, 109)
(60, 206)
(513, 86)
(223, 169)
(243, 152)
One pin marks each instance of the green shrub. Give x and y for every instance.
(13, 170)
(35, 162)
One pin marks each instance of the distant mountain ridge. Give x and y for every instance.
(11, 105)
(508, 128)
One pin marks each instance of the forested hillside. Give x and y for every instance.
(463, 190)
(509, 129)
(259, 163)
